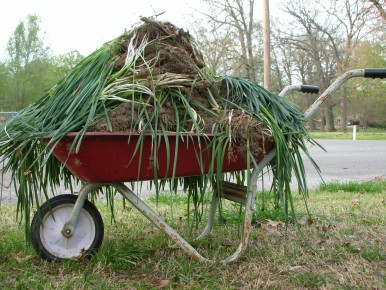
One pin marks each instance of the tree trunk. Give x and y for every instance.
(343, 110)
(323, 118)
(312, 122)
(330, 127)
(267, 47)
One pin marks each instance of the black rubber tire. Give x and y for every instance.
(42, 239)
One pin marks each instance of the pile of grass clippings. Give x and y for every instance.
(152, 79)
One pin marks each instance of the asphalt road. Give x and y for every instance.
(347, 160)
(343, 160)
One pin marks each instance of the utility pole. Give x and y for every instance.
(267, 47)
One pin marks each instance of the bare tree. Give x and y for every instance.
(327, 32)
(218, 47)
(313, 44)
(238, 16)
(348, 21)
(379, 6)
(292, 61)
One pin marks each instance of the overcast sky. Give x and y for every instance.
(84, 25)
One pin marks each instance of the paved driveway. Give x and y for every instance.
(347, 160)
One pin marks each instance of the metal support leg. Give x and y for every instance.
(251, 198)
(249, 207)
(142, 207)
(157, 221)
(212, 213)
(70, 225)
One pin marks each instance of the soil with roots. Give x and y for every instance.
(170, 51)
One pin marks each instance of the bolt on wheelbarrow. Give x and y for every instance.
(68, 225)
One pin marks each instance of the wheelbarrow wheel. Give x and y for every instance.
(47, 224)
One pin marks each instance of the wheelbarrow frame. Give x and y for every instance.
(70, 225)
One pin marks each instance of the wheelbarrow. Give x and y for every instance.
(66, 226)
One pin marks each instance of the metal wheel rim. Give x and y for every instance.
(58, 245)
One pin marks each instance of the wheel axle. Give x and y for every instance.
(66, 232)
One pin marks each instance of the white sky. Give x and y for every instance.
(84, 25)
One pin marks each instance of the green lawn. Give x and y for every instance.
(362, 134)
(343, 248)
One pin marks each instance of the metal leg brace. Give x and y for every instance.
(143, 208)
(215, 197)
(70, 225)
(157, 221)
(249, 207)
(173, 235)
(212, 213)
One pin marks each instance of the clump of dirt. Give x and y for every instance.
(170, 48)
(170, 54)
(240, 126)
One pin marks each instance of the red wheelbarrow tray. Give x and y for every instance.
(105, 157)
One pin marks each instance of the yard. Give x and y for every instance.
(341, 246)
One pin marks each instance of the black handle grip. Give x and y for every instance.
(309, 89)
(375, 73)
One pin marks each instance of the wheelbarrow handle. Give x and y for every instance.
(367, 73)
(309, 89)
(300, 88)
(375, 73)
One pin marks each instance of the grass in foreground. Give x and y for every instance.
(344, 248)
(362, 134)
